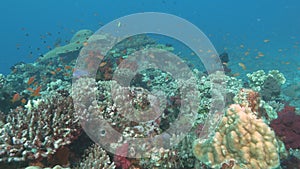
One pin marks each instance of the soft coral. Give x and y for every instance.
(287, 126)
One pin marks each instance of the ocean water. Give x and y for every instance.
(256, 35)
(29, 28)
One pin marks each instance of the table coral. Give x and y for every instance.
(241, 137)
(76, 43)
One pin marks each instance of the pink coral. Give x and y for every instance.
(120, 157)
(287, 126)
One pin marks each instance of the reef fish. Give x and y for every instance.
(30, 80)
(36, 92)
(16, 97)
(242, 65)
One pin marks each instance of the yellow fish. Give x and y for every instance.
(242, 65)
(260, 54)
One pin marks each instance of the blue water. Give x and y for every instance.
(29, 28)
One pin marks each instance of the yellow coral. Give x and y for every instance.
(241, 137)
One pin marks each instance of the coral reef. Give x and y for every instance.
(44, 130)
(240, 137)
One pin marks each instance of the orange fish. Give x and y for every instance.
(67, 74)
(236, 74)
(260, 54)
(67, 67)
(52, 72)
(16, 97)
(102, 64)
(31, 80)
(243, 66)
(58, 69)
(30, 89)
(35, 83)
(36, 92)
(85, 43)
(23, 101)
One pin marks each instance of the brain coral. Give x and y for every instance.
(242, 138)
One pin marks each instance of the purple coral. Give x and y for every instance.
(287, 126)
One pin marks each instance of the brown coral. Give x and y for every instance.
(241, 137)
(248, 98)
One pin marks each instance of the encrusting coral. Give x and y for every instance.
(242, 138)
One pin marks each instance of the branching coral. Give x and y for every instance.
(241, 137)
(96, 158)
(37, 131)
(250, 98)
(257, 79)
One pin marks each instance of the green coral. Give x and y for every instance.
(272, 114)
(76, 43)
(278, 76)
(257, 79)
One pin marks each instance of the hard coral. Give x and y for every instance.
(248, 98)
(242, 138)
(35, 132)
(96, 158)
(287, 126)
